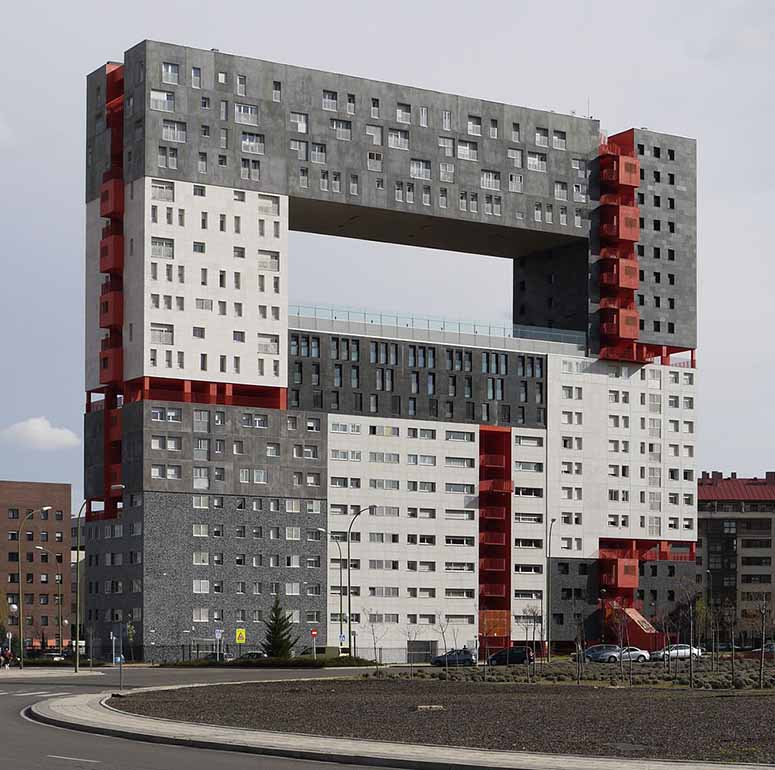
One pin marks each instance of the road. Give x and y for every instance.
(27, 745)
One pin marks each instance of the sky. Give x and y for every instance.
(699, 69)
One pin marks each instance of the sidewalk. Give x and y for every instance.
(88, 713)
(22, 675)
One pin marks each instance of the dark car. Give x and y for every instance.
(511, 656)
(463, 657)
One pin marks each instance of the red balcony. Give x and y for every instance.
(625, 324)
(620, 573)
(111, 366)
(492, 565)
(492, 461)
(620, 223)
(623, 274)
(492, 514)
(492, 589)
(112, 198)
(620, 171)
(111, 309)
(500, 486)
(112, 254)
(113, 425)
(492, 538)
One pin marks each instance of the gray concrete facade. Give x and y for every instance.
(142, 573)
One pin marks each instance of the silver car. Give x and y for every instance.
(680, 651)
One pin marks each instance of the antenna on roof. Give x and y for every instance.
(589, 108)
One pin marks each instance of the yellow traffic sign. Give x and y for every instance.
(240, 636)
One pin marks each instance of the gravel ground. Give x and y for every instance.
(603, 721)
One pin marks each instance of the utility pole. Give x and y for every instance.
(349, 591)
(549, 593)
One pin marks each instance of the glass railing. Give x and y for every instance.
(429, 323)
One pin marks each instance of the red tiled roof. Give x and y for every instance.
(736, 489)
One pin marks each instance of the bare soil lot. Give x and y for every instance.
(721, 726)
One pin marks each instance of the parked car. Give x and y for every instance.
(463, 657)
(224, 657)
(55, 656)
(635, 654)
(253, 655)
(510, 656)
(680, 651)
(602, 653)
(769, 648)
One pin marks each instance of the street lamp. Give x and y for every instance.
(341, 586)
(21, 588)
(77, 656)
(13, 609)
(349, 592)
(59, 598)
(549, 593)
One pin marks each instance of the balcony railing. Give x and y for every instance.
(495, 514)
(431, 324)
(492, 565)
(492, 461)
(504, 486)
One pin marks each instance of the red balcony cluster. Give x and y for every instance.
(621, 324)
(619, 230)
(112, 253)
(111, 366)
(111, 309)
(112, 198)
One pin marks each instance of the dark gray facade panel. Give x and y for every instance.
(576, 590)
(312, 380)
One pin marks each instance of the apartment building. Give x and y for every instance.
(734, 549)
(36, 560)
(237, 447)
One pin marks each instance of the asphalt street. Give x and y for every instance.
(28, 745)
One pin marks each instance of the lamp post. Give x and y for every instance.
(13, 609)
(549, 593)
(59, 597)
(77, 656)
(349, 592)
(21, 587)
(341, 587)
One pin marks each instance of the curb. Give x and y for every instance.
(329, 749)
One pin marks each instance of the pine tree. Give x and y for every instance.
(279, 639)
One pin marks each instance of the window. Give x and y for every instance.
(398, 138)
(246, 113)
(542, 137)
(536, 161)
(329, 100)
(491, 180)
(474, 125)
(300, 121)
(403, 113)
(558, 140)
(467, 150)
(342, 128)
(163, 101)
(420, 169)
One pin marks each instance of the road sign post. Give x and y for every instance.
(218, 643)
(314, 634)
(240, 636)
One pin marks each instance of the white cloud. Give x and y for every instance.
(39, 433)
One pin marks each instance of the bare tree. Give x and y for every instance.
(441, 626)
(411, 632)
(377, 632)
(534, 612)
(763, 613)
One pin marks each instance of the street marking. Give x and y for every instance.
(54, 694)
(36, 692)
(74, 759)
